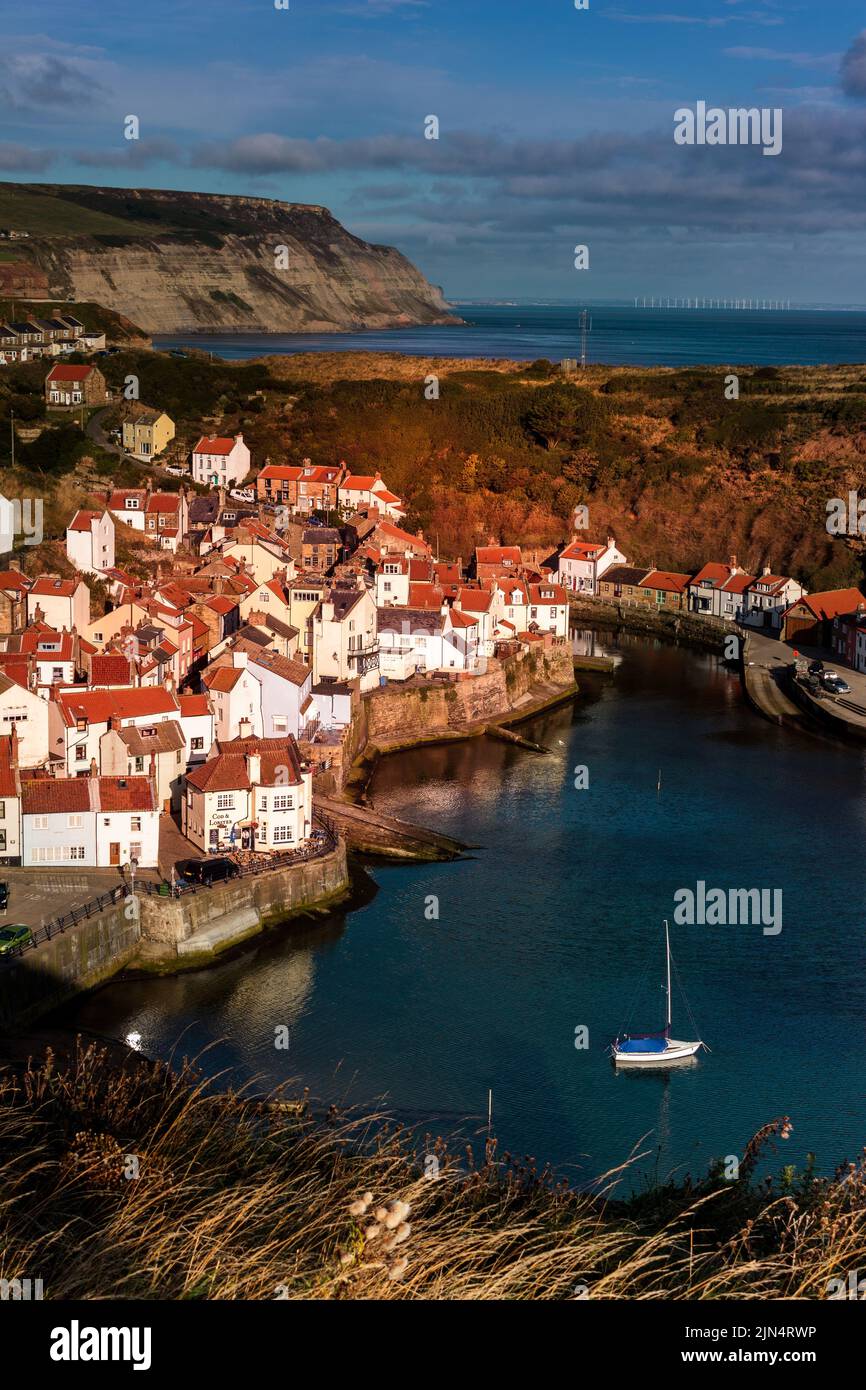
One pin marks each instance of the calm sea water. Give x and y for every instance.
(646, 337)
(557, 922)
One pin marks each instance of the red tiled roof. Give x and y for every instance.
(582, 550)
(284, 473)
(222, 678)
(666, 580)
(48, 586)
(215, 445)
(11, 579)
(547, 593)
(832, 603)
(67, 373)
(82, 520)
(192, 705)
(97, 706)
(163, 502)
(109, 668)
(498, 555)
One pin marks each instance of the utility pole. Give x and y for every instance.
(585, 330)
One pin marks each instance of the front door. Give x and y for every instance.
(114, 852)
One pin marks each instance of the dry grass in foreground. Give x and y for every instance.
(237, 1198)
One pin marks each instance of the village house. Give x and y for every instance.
(276, 484)
(166, 518)
(254, 794)
(719, 591)
(24, 711)
(320, 549)
(548, 609)
(197, 722)
(622, 583)
(129, 505)
(52, 657)
(60, 603)
(316, 488)
(357, 491)
(344, 636)
(667, 589)
(235, 695)
(68, 386)
(157, 751)
(10, 801)
(392, 581)
(219, 461)
(90, 542)
(13, 599)
(92, 821)
(768, 598)
(582, 564)
(426, 640)
(388, 539)
(493, 560)
(286, 702)
(809, 621)
(145, 432)
(80, 717)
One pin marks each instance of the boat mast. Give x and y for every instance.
(668, 962)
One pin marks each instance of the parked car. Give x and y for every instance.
(4, 896)
(207, 871)
(174, 470)
(243, 494)
(12, 937)
(815, 667)
(832, 681)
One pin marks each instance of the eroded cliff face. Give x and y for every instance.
(238, 264)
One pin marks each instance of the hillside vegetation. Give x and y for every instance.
(136, 1182)
(676, 471)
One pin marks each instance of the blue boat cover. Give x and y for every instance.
(643, 1045)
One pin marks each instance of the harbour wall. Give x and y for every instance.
(163, 935)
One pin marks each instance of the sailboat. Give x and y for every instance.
(654, 1049)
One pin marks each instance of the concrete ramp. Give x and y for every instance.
(233, 927)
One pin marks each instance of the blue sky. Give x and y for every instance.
(556, 129)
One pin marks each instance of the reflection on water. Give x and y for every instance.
(555, 924)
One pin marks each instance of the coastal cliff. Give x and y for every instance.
(186, 262)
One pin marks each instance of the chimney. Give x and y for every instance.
(732, 562)
(239, 439)
(254, 768)
(240, 660)
(13, 746)
(767, 570)
(245, 728)
(611, 540)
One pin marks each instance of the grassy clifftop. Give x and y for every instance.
(229, 1197)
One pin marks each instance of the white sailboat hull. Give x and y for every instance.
(674, 1052)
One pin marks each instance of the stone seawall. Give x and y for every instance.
(175, 932)
(83, 957)
(403, 714)
(167, 935)
(707, 634)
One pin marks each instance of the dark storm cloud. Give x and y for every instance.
(853, 69)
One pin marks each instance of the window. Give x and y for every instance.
(263, 803)
(281, 724)
(40, 822)
(2, 841)
(2, 810)
(74, 822)
(225, 801)
(135, 849)
(196, 745)
(57, 673)
(135, 825)
(81, 753)
(283, 834)
(283, 803)
(139, 764)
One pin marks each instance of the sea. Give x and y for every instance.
(493, 985)
(616, 334)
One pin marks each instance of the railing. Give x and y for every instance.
(49, 930)
(323, 841)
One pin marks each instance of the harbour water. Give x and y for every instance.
(455, 979)
(620, 334)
